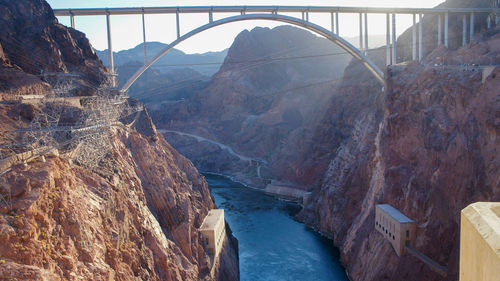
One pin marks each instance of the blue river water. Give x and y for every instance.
(272, 246)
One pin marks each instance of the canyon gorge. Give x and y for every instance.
(280, 108)
(426, 144)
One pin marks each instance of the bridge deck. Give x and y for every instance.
(265, 9)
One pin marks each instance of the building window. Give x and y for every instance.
(376, 223)
(393, 237)
(407, 234)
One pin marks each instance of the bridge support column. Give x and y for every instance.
(110, 50)
(414, 38)
(210, 16)
(388, 40)
(337, 23)
(464, 30)
(177, 24)
(446, 20)
(440, 37)
(361, 33)
(420, 38)
(394, 57)
(471, 32)
(332, 20)
(144, 38)
(366, 33)
(72, 19)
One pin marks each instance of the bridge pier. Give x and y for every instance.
(471, 26)
(366, 34)
(394, 57)
(420, 39)
(440, 36)
(361, 32)
(388, 40)
(110, 50)
(144, 38)
(414, 38)
(332, 21)
(464, 30)
(177, 24)
(72, 20)
(337, 24)
(446, 20)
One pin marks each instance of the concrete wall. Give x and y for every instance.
(480, 242)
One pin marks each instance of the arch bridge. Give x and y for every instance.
(278, 13)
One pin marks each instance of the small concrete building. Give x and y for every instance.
(480, 242)
(395, 226)
(213, 231)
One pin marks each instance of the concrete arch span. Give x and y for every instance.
(349, 48)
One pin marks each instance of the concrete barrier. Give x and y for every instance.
(480, 242)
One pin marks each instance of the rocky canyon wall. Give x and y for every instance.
(135, 215)
(429, 149)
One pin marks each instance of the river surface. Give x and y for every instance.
(272, 246)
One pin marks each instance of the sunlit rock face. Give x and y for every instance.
(264, 103)
(429, 149)
(135, 216)
(33, 40)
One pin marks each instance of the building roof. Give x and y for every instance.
(212, 218)
(395, 213)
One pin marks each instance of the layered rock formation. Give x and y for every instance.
(134, 216)
(263, 104)
(429, 148)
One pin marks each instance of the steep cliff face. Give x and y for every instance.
(133, 216)
(34, 41)
(136, 217)
(264, 102)
(434, 152)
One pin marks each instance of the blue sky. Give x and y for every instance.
(127, 30)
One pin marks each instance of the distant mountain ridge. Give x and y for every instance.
(205, 63)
